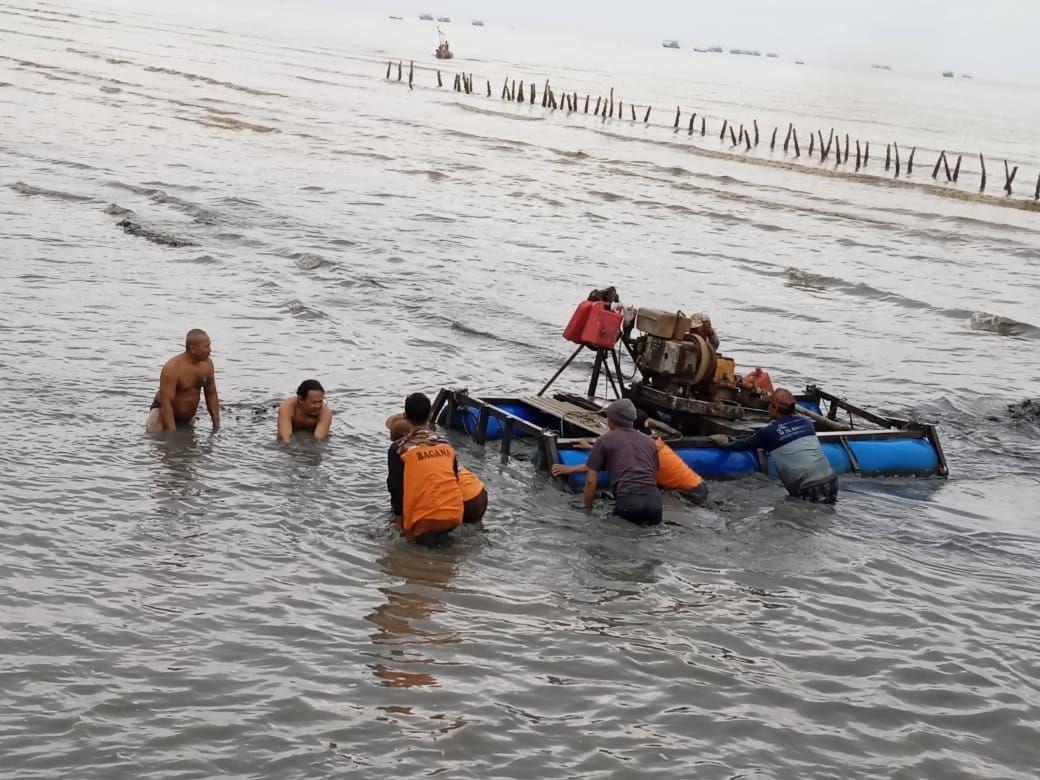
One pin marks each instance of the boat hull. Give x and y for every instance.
(912, 451)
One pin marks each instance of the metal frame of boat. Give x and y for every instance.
(554, 426)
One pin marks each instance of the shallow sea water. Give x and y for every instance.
(215, 605)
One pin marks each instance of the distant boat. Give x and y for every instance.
(426, 17)
(442, 52)
(967, 76)
(478, 23)
(715, 50)
(798, 62)
(443, 18)
(671, 44)
(773, 54)
(947, 74)
(396, 17)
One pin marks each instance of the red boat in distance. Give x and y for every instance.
(443, 52)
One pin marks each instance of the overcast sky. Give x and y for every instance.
(998, 38)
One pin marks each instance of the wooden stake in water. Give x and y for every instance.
(797, 148)
(1037, 196)
(866, 154)
(957, 169)
(946, 165)
(612, 101)
(910, 161)
(1009, 179)
(693, 117)
(756, 131)
(399, 71)
(938, 162)
(676, 117)
(439, 82)
(631, 108)
(646, 117)
(747, 140)
(982, 162)
(732, 135)
(520, 93)
(895, 146)
(598, 100)
(857, 155)
(725, 123)
(888, 156)
(411, 73)
(489, 88)
(846, 147)
(587, 98)
(812, 142)
(388, 66)
(787, 140)
(772, 142)
(704, 126)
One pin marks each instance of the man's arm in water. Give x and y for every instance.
(285, 421)
(167, 390)
(212, 400)
(591, 482)
(324, 422)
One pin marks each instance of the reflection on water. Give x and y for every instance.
(405, 621)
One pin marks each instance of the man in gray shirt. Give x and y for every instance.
(630, 459)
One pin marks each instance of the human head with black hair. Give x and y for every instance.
(311, 395)
(417, 409)
(197, 345)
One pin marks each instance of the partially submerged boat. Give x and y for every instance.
(671, 44)
(689, 391)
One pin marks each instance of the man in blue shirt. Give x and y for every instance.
(791, 441)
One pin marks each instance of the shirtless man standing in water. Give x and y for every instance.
(181, 383)
(305, 411)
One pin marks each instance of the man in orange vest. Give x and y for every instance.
(672, 471)
(423, 478)
(474, 494)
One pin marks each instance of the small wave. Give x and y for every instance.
(308, 262)
(505, 114)
(29, 191)
(610, 197)
(1025, 411)
(211, 81)
(110, 90)
(301, 311)
(115, 210)
(229, 123)
(151, 234)
(1003, 326)
(576, 155)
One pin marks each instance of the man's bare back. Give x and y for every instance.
(182, 382)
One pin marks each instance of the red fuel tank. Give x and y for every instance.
(576, 327)
(602, 327)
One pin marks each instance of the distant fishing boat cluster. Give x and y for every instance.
(442, 19)
(670, 44)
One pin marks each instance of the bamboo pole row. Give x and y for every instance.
(748, 138)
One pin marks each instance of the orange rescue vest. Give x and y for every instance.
(432, 499)
(469, 484)
(672, 472)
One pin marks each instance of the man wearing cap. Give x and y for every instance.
(631, 461)
(701, 325)
(791, 442)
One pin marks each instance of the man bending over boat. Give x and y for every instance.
(631, 461)
(182, 382)
(791, 441)
(305, 411)
(423, 478)
(474, 494)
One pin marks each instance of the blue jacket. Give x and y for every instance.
(791, 442)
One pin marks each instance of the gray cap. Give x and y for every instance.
(622, 413)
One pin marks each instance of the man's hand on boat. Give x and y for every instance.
(583, 444)
(559, 470)
(719, 439)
